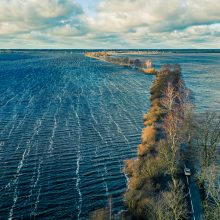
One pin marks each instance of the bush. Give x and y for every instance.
(131, 198)
(150, 71)
(155, 102)
(129, 168)
(143, 149)
(152, 167)
(148, 135)
(155, 109)
(159, 86)
(151, 121)
(100, 214)
(135, 183)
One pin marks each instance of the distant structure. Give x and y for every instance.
(149, 63)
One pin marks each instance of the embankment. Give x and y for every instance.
(155, 187)
(112, 57)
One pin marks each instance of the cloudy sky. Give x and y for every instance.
(109, 23)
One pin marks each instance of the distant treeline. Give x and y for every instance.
(141, 65)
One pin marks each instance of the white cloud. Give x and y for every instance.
(19, 16)
(158, 15)
(127, 23)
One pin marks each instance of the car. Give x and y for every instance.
(187, 171)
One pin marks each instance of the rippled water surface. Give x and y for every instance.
(67, 122)
(201, 72)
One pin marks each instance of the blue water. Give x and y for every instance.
(67, 122)
(201, 72)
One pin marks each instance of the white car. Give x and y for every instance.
(187, 171)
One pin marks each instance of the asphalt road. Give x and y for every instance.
(195, 199)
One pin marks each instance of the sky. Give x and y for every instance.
(91, 24)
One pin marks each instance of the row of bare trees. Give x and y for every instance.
(206, 151)
(156, 190)
(199, 133)
(174, 103)
(155, 187)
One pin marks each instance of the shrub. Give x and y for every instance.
(155, 102)
(162, 79)
(151, 121)
(151, 167)
(150, 71)
(143, 149)
(129, 167)
(155, 109)
(131, 198)
(135, 183)
(148, 135)
(100, 214)
(147, 205)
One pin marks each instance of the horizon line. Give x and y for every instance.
(110, 49)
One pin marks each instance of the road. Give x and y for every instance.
(195, 198)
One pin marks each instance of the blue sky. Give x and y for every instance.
(89, 6)
(109, 24)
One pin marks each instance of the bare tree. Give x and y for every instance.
(207, 137)
(170, 152)
(169, 97)
(213, 187)
(212, 201)
(172, 205)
